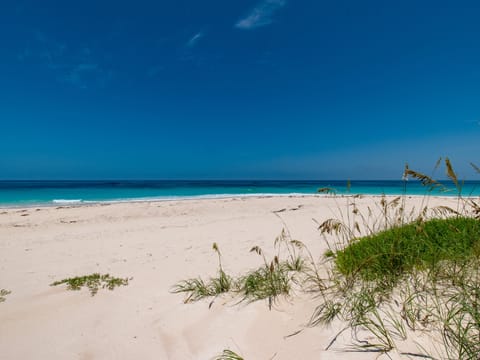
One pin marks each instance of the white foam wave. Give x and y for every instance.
(67, 201)
(181, 197)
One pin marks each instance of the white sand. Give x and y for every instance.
(157, 244)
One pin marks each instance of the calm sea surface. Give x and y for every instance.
(29, 193)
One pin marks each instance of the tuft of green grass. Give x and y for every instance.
(228, 355)
(93, 282)
(266, 282)
(393, 252)
(3, 294)
(197, 289)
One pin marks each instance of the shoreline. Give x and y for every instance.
(88, 203)
(79, 203)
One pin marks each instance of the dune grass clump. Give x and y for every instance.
(269, 281)
(277, 277)
(3, 294)
(394, 273)
(197, 289)
(228, 355)
(423, 276)
(424, 245)
(266, 283)
(93, 282)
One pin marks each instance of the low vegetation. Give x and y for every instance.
(3, 294)
(197, 289)
(422, 245)
(93, 282)
(412, 272)
(389, 273)
(269, 281)
(228, 355)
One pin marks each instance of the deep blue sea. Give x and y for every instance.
(31, 193)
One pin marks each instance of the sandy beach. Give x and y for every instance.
(156, 244)
(178, 180)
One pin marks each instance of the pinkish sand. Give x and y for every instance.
(157, 244)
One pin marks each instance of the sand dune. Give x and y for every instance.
(156, 244)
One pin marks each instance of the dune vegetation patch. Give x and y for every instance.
(422, 245)
(228, 355)
(3, 294)
(390, 273)
(268, 281)
(93, 282)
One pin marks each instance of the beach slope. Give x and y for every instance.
(155, 244)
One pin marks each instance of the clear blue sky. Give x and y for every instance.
(261, 89)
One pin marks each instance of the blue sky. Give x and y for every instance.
(261, 89)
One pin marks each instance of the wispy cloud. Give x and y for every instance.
(261, 15)
(82, 74)
(194, 39)
(75, 66)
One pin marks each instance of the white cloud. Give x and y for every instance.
(194, 39)
(261, 15)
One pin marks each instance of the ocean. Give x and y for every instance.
(32, 193)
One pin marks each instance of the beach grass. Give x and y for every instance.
(268, 281)
(389, 273)
(197, 288)
(411, 271)
(417, 277)
(3, 294)
(425, 245)
(93, 282)
(228, 355)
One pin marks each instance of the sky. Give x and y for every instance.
(260, 89)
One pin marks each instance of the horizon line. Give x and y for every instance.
(216, 179)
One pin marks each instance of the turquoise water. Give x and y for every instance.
(30, 193)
